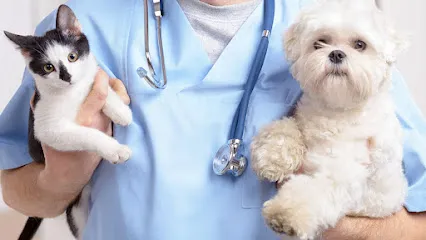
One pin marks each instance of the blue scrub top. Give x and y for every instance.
(167, 190)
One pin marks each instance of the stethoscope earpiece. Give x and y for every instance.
(230, 159)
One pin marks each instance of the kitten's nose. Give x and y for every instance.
(337, 56)
(65, 76)
(63, 73)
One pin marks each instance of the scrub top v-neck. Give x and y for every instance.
(167, 190)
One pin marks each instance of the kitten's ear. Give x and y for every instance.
(67, 22)
(24, 43)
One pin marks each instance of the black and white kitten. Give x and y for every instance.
(64, 70)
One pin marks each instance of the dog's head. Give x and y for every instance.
(342, 51)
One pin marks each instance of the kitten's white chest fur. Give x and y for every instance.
(64, 103)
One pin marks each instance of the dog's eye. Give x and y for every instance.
(360, 45)
(320, 43)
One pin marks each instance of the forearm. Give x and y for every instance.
(33, 192)
(401, 226)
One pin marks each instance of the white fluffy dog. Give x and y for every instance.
(341, 153)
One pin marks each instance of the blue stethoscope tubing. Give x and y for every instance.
(238, 123)
(230, 157)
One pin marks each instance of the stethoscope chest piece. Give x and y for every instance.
(230, 159)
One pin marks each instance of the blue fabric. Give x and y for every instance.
(168, 190)
(414, 126)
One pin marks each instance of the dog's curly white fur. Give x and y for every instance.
(344, 135)
(279, 140)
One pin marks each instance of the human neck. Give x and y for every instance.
(223, 2)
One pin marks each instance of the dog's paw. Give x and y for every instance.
(276, 220)
(117, 154)
(271, 172)
(289, 221)
(273, 162)
(277, 151)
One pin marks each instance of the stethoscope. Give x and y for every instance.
(230, 157)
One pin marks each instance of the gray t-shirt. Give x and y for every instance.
(216, 25)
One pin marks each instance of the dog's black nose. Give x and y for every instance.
(337, 56)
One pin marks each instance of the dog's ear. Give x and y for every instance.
(292, 47)
(292, 36)
(396, 42)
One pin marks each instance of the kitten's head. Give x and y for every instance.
(62, 56)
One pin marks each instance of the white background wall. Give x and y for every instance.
(11, 64)
(21, 16)
(410, 17)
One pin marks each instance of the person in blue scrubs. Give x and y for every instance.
(167, 190)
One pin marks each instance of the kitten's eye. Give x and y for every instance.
(320, 43)
(72, 57)
(360, 45)
(48, 68)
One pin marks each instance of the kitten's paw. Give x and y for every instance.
(123, 153)
(118, 154)
(289, 221)
(126, 117)
(121, 116)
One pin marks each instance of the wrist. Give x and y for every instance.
(349, 228)
(395, 227)
(65, 174)
(56, 188)
(69, 170)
